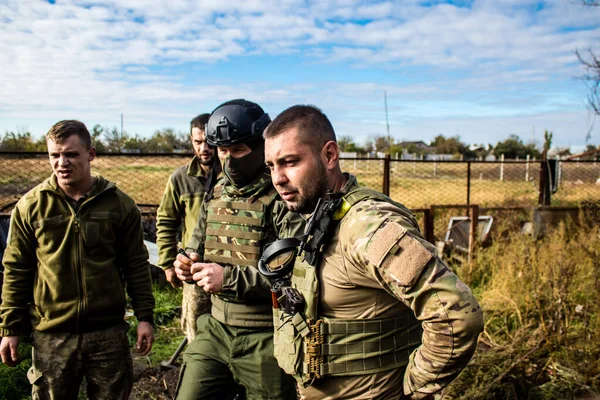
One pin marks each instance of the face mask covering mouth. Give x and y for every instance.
(244, 170)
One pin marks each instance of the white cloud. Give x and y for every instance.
(100, 59)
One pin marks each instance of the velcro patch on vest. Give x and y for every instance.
(398, 254)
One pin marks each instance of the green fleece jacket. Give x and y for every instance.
(65, 270)
(179, 208)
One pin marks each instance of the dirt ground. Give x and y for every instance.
(152, 383)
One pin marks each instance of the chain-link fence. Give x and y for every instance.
(420, 184)
(417, 184)
(142, 176)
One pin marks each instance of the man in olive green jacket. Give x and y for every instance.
(75, 243)
(179, 210)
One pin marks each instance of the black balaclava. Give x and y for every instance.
(244, 170)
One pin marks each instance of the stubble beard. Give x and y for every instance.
(314, 191)
(209, 162)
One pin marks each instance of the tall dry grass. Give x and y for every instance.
(541, 301)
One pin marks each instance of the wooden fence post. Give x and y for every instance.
(386, 175)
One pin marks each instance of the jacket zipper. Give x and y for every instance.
(79, 271)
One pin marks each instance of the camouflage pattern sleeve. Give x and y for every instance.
(168, 221)
(383, 242)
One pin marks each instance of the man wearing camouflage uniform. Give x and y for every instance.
(234, 344)
(178, 212)
(370, 311)
(75, 243)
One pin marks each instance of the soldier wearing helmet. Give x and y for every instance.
(233, 348)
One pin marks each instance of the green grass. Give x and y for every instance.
(167, 330)
(13, 381)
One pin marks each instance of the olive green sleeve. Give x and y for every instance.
(168, 222)
(196, 240)
(245, 284)
(389, 248)
(134, 256)
(19, 268)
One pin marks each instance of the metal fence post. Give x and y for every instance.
(386, 175)
(544, 199)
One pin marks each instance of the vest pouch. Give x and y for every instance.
(291, 331)
(287, 342)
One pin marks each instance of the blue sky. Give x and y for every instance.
(479, 69)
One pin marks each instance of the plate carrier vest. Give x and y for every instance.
(235, 232)
(310, 347)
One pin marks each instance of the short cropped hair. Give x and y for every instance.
(64, 129)
(199, 122)
(314, 128)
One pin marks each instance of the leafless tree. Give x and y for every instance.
(591, 62)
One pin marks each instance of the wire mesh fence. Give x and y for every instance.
(417, 184)
(142, 176)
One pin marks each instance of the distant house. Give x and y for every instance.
(418, 146)
(477, 147)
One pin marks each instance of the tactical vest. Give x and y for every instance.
(235, 232)
(310, 347)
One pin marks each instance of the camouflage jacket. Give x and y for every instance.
(179, 208)
(66, 270)
(377, 245)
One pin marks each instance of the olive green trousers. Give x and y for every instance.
(223, 361)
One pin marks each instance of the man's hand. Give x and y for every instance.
(209, 276)
(8, 350)
(145, 338)
(183, 265)
(171, 276)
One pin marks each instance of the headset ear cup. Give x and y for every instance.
(278, 259)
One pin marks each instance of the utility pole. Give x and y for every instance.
(387, 123)
(121, 124)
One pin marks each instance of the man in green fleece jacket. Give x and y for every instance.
(75, 243)
(180, 209)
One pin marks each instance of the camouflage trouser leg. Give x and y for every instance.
(195, 303)
(62, 360)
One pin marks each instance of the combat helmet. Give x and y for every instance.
(236, 121)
